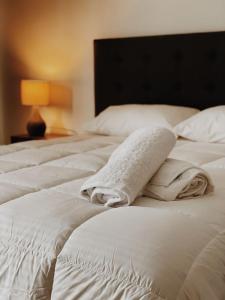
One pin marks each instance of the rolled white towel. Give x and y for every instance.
(130, 167)
(177, 179)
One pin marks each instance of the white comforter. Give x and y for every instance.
(153, 250)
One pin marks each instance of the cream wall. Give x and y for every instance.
(53, 39)
(2, 137)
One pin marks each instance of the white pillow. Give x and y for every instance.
(206, 126)
(124, 119)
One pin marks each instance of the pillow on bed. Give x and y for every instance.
(124, 119)
(206, 126)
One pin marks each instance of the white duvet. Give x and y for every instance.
(56, 245)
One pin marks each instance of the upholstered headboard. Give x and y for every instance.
(184, 69)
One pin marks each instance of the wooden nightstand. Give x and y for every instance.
(25, 137)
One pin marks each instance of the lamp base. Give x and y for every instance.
(36, 126)
(36, 129)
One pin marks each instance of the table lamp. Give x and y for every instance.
(35, 93)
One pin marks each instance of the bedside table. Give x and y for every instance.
(25, 137)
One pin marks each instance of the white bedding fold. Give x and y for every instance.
(130, 167)
(177, 179)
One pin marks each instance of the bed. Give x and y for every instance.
(56, 245)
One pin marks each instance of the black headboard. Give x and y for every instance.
(183, 69)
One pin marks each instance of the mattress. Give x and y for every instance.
(56, 245)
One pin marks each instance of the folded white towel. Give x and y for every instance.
(130, 167)
(177, 179)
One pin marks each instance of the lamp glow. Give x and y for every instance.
(35, 93)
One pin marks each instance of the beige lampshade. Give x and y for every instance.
(34, 92)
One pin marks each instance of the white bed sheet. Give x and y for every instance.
(158, 247)
(37, 214)
(154, 250)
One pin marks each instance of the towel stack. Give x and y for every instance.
(177, 179)
(139, 166)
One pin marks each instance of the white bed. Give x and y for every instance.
(152, 250)
(54, 244)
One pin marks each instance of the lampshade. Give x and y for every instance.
(34, 92)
